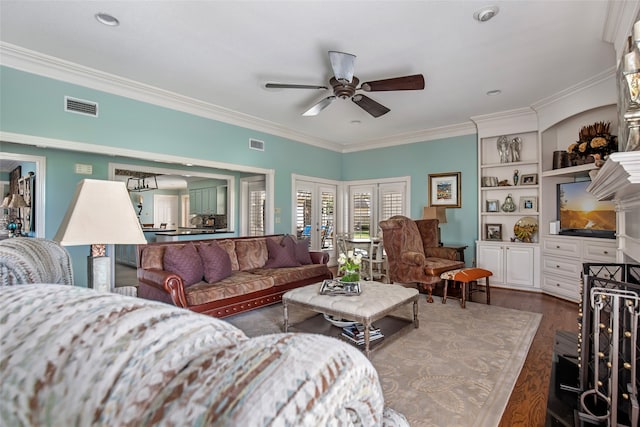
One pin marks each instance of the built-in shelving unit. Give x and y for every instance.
(514, 263)
(572, 171)
(562, 256)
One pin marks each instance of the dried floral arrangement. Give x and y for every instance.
(594, 144)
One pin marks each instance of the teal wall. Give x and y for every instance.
(33, 105)
(457, 154)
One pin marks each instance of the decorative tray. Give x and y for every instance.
(336, 287)
(340, 323)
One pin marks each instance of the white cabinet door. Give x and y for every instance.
(512, 265)
(491, 257)
(519, 265)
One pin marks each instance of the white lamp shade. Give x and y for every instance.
(100, 213)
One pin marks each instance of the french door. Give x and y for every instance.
(315, 214)
(371, 203)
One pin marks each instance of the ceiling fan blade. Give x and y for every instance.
(414, 82)
(324, 103)
(342, 64)
(370, 106)
(292, 86)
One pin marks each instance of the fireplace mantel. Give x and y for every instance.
(619, 180)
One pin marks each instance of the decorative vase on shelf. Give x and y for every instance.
(508, 205)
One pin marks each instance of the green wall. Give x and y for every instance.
(33, 105)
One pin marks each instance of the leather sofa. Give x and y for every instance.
(261, 272)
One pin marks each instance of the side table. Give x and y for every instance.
(459, 247)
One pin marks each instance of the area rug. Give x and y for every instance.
(457, 369)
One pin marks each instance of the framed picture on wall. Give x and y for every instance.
(444, 190)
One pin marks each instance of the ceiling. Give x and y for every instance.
(223, 52)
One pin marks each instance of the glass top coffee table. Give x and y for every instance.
(375, 302)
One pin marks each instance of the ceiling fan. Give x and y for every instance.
(345, 85)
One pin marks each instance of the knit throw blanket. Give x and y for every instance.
(31, 260)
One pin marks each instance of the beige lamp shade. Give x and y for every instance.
(439, 213)
(17, 201)
(100, 212)
(6, 201)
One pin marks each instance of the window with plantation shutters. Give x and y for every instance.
(371, 203)
(257, 196)
(303, 211)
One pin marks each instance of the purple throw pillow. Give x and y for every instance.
(185, 262)
(302, 252)
(216, 262)
(283, 255)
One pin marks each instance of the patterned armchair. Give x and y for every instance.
(413, 252)
(30, 260)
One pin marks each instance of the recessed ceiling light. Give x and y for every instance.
(494, 92)
(486, 13)
(355, 122)
(106, 19)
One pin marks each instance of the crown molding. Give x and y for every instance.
(460, 129)
(609, 73)
(55, 68)
(621, 15)
(504, 122)
(58, 69)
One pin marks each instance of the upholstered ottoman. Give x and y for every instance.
(376, 301)
(467, 278)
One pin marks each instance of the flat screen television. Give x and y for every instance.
(581, 214)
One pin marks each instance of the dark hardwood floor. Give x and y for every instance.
(528, 402)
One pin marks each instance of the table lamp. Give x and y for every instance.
(100, 213)
(439, 213)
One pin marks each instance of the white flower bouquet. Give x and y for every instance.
(349, 265)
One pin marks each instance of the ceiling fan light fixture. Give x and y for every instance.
(106, 19)
(486, 13)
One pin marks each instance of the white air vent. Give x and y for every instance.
(256, 144)
(83, 169)
(80, 106)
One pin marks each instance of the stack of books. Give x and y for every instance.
(355, 333)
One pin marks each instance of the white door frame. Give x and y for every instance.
(41, 178)
(316, 186)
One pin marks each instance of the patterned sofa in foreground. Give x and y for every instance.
(76, 357)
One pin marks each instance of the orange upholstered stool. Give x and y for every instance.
(468, 280)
